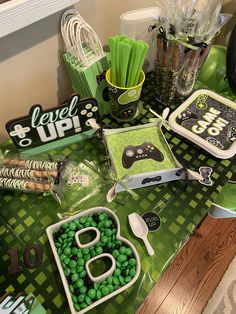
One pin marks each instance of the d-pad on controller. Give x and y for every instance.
(144, 151)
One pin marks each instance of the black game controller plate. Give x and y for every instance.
(208, 120)
(147, 150)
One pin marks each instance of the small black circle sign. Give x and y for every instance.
(152, 220)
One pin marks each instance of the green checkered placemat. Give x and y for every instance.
(180, 205)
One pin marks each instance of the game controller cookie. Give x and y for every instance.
(147, 150)
(206, 172)
(82, 179)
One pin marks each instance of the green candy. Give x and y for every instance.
(87, 224)
(98, 295)
(66, 260)
(73, 270)
(74, 251)
(80, 268)
(64, 245)
(82, 274)
(132, 262)
(72, 226)
(75, 277)
(72, 264)
(128, 279)
(102, 216)
(93, 253)
(60, 240)
(122, 258)
(88, 300)
(77, 307)
(132, 272)
(85, 251)
(58, 244)
(109, 244)
(92, 293)
(74, 298)
(118, 264)
(76, 221)
(125, 264)
(72, 289)
(121, 279)
(116, 281)
(67, 271)
(110, 288)
(128, 252)
(83, 305)
(107, 223)
(122, 250)
(89, 219)
(86, 257)
(80, 283)
(83, 289)
(83, 220)
(62, 257)
(96, 286)
(81, 298)
(65, 225)
(80, 262)
(115, 253)
(108, 232)
(104, 291)
(110, 280)
(64, 235)
(93, 224)
(117, 272)
(104, 239)
(99, 250)
(67, 230)
(67, 251)
(79, 254)
(71, 234)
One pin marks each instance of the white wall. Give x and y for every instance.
(31, 67)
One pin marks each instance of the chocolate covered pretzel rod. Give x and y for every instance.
(31, 164)
(24, 185)
(26, 173)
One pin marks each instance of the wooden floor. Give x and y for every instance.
(192, 277)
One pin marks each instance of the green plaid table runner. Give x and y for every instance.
(180, 205)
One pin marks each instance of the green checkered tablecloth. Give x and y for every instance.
(181, 207)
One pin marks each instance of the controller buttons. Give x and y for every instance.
(94, 109)
(88, 106)
(90, 114)
(84, 112)
(139, 151)
(130, 153)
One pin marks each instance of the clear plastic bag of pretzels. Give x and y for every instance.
(35, 174)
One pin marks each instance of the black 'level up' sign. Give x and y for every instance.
(42, 127)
